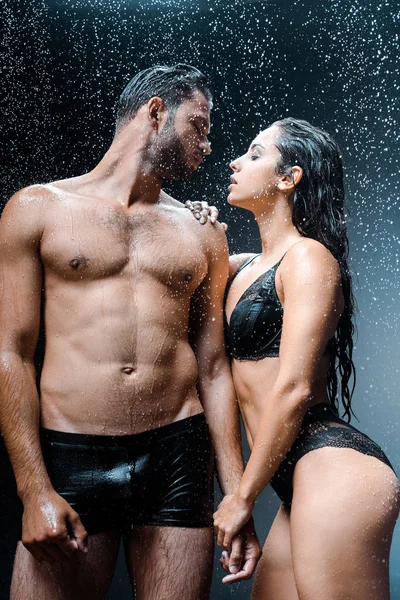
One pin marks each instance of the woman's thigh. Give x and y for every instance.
(345, 505)
(274, 576)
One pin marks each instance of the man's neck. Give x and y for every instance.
(124, 174)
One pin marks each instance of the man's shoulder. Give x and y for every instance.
(211, 235)
(214, 240)
(168, 200)
(24, 215)
(30, 199)
(174, 207)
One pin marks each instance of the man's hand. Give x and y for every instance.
(232, 514)
(51, 530)
(202, 211)
(244, 556)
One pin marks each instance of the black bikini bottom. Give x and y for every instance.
(159, 477)
(321, 427)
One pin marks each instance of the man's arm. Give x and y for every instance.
(20, 294)
(218, 396)
(20, 285)
(215, 385)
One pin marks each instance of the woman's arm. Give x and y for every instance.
(313, 302)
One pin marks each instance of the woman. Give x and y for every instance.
(289, 326)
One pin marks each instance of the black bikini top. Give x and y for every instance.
(255, 327)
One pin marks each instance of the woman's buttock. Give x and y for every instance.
(322, 428)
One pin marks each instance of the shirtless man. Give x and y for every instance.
(118, 442)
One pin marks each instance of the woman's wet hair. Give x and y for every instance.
(172, 84)
(319, 213)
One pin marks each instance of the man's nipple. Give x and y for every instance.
(79, 262)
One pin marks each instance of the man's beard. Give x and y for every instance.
(169, 155)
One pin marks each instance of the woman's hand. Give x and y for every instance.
(240, 562)
(202, 212)
(232, 514)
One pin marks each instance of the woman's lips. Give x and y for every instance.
(232, 184)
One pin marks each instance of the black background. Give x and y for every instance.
(334, 63)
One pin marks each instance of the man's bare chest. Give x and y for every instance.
(92, 243)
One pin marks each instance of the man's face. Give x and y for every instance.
(182, 143)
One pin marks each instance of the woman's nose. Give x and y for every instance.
(234, 165)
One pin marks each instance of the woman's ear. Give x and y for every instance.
(289, 180)
(297, 174)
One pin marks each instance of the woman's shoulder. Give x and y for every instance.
(236, 261)
(310, 259)
(311, 251)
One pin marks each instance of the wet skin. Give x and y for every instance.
(115, 254)
(256, 186)
(252, 378)
(117, 290)
(121, 265)
(118, 284)
(333, 486)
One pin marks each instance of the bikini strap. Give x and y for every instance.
(295, 244)
(246, 262)
(275, 267)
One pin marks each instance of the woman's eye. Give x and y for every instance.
(254, 156)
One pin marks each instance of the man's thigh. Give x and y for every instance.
(83, 576)
(170, 562)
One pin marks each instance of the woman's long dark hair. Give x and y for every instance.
(318, 213)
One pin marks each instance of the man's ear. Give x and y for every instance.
(288, 181)
(156, 112)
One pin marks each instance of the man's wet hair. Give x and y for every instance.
(172, 84)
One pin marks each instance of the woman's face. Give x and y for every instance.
(254, 178)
